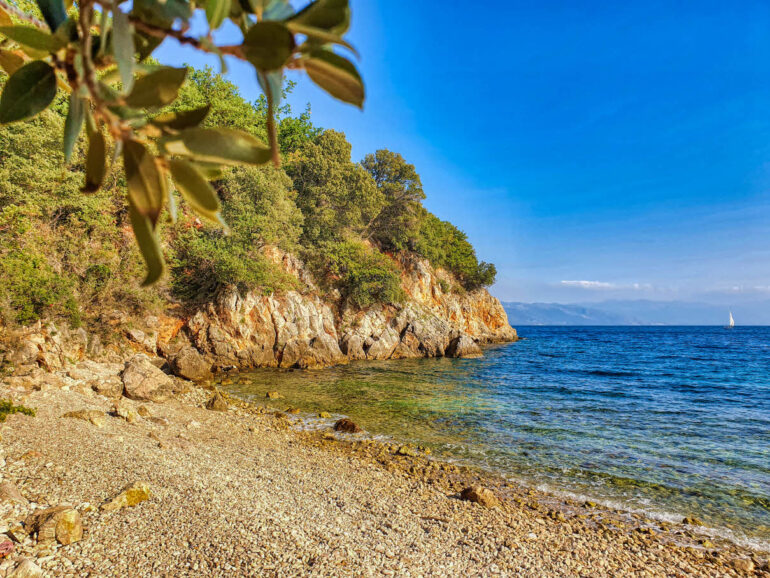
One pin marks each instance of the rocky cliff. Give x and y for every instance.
(294, 329)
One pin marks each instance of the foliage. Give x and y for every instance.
(98, 53)
(7, 408)
(363, 276)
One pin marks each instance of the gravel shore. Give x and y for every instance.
(243, 493)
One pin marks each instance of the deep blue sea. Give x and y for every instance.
(674, 421)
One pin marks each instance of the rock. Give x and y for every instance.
(17, 532)
(26, 569)
(743, 565)
(293, 410)
(273, 395)
(126, 413)
(463, 346)
(407, 451)
(217, 402)
(129, 496)
(480, 495)
(96, 417)
(692, 521)
(11, 494)
(143, 411)
(61, 523)
(6, 547)
(347, 426)
(26, 354)
(324, 415)
(110, 386)
(143, 381)
(190, 364)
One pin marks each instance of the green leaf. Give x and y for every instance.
(212, 171)
(217, 11)
(32, 37)
(182, 119)
(162, 14)
(196, 190)
(336, 75)
(53, 12)
(157, 89)
(268, 45)
(5, 20)
(10, 61)
(330, 15)
(27, 92)
(277, 10)
(96, 160)
(148, 243)
(73, 124)
(317, 35)
(146, 183)
(217, 145)
(123, 47)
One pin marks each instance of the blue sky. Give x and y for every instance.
(590, 150)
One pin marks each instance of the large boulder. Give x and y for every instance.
(190, 364)
(143, 381)
(463, 346)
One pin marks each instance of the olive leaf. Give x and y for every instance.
(5, 20)
(147, 189)
(336, 75)
(28, 92)
(73, 124)
(10, 61)
(182, 119)
(53, 12)
(319, 36)
(123, 47)
(195, 189)
(330, 15)
(216, 12)
(157, 89)
(268, 45)
(96, 159)
(147, 239)
(31, 37)
(217, 145)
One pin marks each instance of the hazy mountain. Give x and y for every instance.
(638, 312)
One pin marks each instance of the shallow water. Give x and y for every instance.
(674, 421)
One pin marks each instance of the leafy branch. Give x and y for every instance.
(99, 54)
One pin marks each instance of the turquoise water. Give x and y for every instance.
(673, 421)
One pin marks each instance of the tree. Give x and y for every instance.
(99, 53)
(395, 226)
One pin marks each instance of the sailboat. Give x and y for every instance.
(731, 324)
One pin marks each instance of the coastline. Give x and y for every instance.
(244, 492)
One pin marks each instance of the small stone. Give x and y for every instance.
(109, 386)
(6, 547)
(324, 415)
(692, 521)
(26, 569)
(96, 417)
(61, 523)
(10, 493)
(590, 504)
(143, 411)
(273, 395)
(129, 496)
(346, 425)
(17, 532)
(126, 413)
(217, 402)
(480, 495)
(293, 410)
(407, 451)
(743, 565)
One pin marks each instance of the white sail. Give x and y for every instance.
(732, 321)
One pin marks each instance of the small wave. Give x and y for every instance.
(609, 373)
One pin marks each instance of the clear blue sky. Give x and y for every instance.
(591, 150)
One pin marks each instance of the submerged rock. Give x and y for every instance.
(346, 425)
(61, 523)
(131, 495)
(480, 495)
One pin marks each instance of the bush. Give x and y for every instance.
(363, 276)
(7, 408)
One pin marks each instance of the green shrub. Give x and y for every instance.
(362, 275)
(7, 408)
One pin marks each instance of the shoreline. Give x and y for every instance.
(242, 491)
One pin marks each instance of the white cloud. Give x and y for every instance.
(605, 286)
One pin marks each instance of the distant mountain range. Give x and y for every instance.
(637, 312)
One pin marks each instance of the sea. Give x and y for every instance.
(668, 421)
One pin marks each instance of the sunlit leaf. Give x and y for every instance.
(330, 15)
(268, 45)
(272, 82)
(96, 160)
(123, 48)
(147, 239)
(182, 119)
(53, 12)
(27, 92)
(216, 12)
(146, 183)
(32, 37)
(317, 35)
(195, 189)
(5, 20)
(73, 124)
(217, 145)
(336, 75)
(10, 61)
(157, 89)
